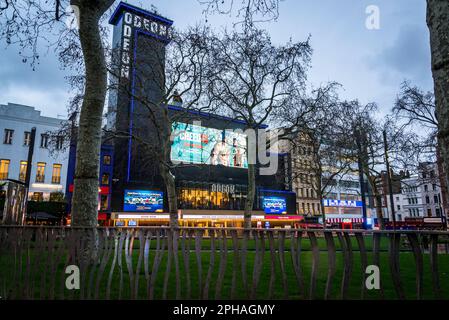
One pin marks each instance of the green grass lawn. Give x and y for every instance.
(12, 278)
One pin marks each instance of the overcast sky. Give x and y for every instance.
(370, 64)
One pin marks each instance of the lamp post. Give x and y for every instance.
(361, 178)
(390, 187)
(29, 164)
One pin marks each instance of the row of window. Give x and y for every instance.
(414, 212)
(309, 208)
(436, 199)
(9, 133)
(412, 200)
(40, 171)
(410, 189)
(434, 187)
(305, 193)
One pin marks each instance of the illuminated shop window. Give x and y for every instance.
(56, 174)
(40, 172)
(107, 160)
(23, 171)
(4, 168)
(105, 178)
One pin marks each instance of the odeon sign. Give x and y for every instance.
(132, 23)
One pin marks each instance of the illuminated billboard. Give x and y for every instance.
(201, 145)
(276, 205)
(143, 201)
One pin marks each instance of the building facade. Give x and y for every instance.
(409, 202)
(341, 193)
(420, 195)
(208, 155)
(50, 159)
(304, 178)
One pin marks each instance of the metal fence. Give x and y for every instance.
(212, 263)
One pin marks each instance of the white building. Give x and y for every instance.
(409, 201)
(49, 169)
(343, 200)
(431, 195)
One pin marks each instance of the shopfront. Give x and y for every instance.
(209, 219)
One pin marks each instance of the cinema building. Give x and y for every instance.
(209, 154)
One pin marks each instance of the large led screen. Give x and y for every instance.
(143, 201)
(276, 205)
(197, 144)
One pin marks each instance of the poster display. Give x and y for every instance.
(202, 145)
(274, 205)
(143, 201)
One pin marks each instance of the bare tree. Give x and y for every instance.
(417, 110)
(245, 12)
(250, 78)
(27, 23)
(314, 125)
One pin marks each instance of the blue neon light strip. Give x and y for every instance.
(118, 12)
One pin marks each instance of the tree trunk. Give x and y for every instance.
(320, 195)
(251, 194)
(442, 180)
(438, 23)
(170, 187)
(85, 193)
(377, 198)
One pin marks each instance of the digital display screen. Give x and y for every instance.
(197, 144)
(143, 201)
(276, 205)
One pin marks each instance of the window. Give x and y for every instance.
(426, 188)
(107, 160)
(427, 199)
(8, 136)
(435, 199)
(429, 212)
(434, 187)
(23, 171)
(44, 140)
(38, 196)
(104, 202)
(40, 172)
(26, 138)
(4, 168)
(437, 211)
(59, 142)
(56, 174)
(105, 178)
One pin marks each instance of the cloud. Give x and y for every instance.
(45, 88)
(408, 57)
